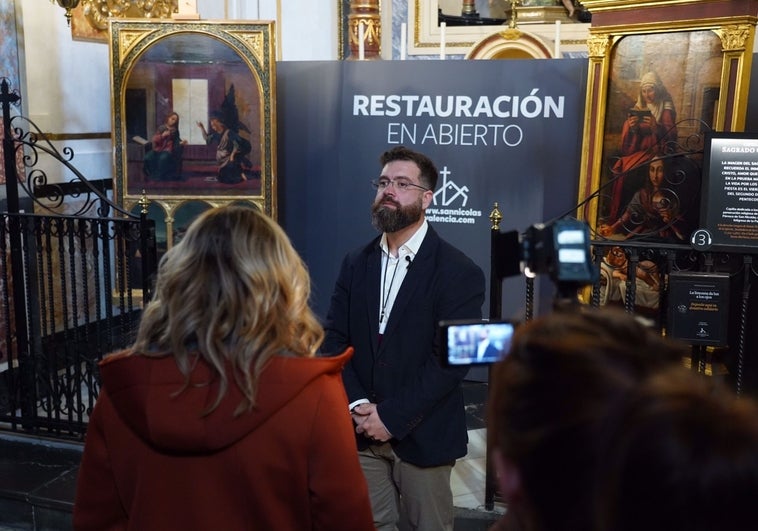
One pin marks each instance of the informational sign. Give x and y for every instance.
(498, 131)
(699, 308)
(729, 217)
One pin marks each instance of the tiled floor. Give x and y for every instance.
(40, 486)
(37, 481)
(468, 477)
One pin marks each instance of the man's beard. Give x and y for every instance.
(392, 220)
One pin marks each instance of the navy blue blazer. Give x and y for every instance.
(419, 401)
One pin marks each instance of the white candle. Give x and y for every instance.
(361, 45)
(557, 49)
(188, 7)
(443, 25)
(187, 10)
(403, 40)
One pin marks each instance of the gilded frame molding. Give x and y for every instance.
(150, 57)
(736, 35)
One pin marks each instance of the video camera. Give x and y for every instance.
(560, 249)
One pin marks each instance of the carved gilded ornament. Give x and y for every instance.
(371, 30)
(97, 12)
(254, 42)
(734, 38)
(598, 45)
(127, 41)
(511, 34)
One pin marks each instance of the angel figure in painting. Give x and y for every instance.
(232, 148)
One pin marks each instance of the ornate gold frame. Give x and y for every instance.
(246, 57)
(736, 33)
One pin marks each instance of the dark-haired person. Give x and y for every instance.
(388, 300)
(219, 416)
(548, 401)
(679, 453)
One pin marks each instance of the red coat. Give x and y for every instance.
(152, 462)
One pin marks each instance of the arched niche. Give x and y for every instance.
(511, 43)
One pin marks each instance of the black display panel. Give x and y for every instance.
(729, 206)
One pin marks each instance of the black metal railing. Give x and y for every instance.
(75, 278)
(72, 286)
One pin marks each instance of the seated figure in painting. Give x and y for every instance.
(164, 160)
(653, 210)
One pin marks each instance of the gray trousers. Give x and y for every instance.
(405, 497)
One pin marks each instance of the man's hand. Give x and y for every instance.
(368, 423)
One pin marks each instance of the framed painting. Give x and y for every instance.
(654, 89)
(193, 115)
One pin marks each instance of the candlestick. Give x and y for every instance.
(361, 44)
(557, 48)
(443, 25)
(187, 7)
(187, 10)
(403, 40)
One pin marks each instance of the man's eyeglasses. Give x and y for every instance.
(401, 185)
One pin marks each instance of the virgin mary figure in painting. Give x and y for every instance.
(164, 160)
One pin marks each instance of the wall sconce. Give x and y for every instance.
(97, 12)
(68, 5)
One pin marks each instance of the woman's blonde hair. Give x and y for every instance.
(233, 291)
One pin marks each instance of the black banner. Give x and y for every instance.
(499, 131)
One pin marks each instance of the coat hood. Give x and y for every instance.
(148, 394)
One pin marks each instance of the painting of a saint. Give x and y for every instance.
(663, 90)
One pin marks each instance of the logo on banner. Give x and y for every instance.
(449, 203)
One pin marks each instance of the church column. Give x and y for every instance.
(366, 13)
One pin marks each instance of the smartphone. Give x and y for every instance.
(475, 342)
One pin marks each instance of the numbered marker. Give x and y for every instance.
(701, 240)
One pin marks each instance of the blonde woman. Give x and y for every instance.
(220, 416)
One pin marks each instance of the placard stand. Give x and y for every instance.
(699, 308)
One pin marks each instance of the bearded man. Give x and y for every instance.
(389, 298)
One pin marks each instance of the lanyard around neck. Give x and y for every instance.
(387, 290)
